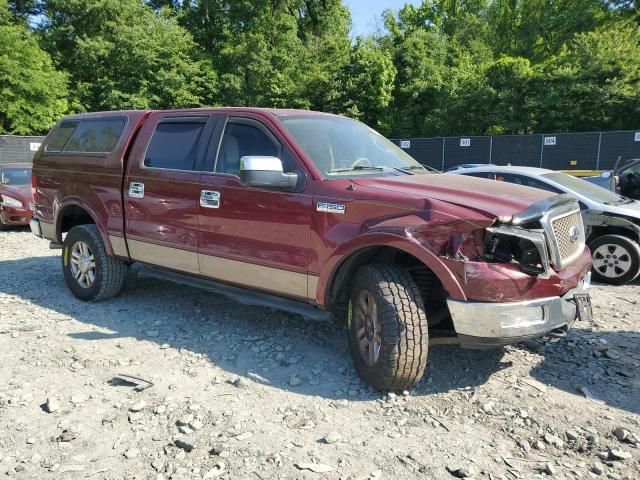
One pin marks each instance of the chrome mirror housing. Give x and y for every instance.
(265, 172)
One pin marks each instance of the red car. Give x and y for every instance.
(15, 194)
(316, 214)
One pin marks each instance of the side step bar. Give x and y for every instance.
(240, 295)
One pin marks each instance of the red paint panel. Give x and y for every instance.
(492, 282)
(269, 228)
(168, 213)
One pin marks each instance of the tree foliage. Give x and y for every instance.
(444, 67)
(33, 95)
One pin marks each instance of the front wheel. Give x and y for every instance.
(387, 328)
(90, 273)
(616, 259)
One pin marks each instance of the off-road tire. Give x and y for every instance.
(630, 246)
(403, 328)
(110, 273)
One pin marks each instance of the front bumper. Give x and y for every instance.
(43, 229)
(485, 324)
(15, 216)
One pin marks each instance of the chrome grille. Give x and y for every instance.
(568, 237)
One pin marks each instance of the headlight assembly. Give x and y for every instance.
(11, 202)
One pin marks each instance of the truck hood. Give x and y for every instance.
(495, 199)
(19, 192)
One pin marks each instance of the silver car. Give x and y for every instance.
(612, 221)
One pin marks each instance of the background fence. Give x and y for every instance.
(18, 149)
(561, 151)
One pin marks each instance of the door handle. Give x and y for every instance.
(209, 199)
(136, 190)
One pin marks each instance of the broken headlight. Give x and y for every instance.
(527, 248)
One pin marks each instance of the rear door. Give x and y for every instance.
(251, 236)
(162, 190)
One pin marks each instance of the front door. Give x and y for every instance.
(251, 236)
(162, 190)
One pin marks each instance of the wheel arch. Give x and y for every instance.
(73, 214)
(395, 251)
(623, 231)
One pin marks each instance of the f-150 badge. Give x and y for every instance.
(331, 208)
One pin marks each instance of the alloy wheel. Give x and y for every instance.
(611, 260)
(367, 326)
(83, 264)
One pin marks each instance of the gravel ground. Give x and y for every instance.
(247, 392)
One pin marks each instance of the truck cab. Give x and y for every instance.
(316, 214)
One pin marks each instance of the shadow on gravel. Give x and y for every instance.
(265, 345)
(271, 347)
(606, 364)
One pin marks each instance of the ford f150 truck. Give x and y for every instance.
(316, 214)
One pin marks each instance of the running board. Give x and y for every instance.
(240, 295)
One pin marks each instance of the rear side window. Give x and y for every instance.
(174, 145)
(87, 136)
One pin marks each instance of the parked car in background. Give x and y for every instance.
(612, 221)
(316, 214)
(15, 194)
(467, 165)
(624, 179)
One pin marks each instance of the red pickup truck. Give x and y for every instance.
(316, 214)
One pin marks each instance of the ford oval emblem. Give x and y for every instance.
(574, 234)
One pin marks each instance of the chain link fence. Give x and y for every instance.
(559, 151)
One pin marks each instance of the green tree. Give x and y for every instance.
(594, 83)
(33, 95)
(263, 63)
(121, 54)
(366, 84)
(512, 80)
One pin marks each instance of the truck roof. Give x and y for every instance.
(278, 112)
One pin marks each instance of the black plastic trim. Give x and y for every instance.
(241, 295)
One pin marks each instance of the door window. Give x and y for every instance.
(527, 182)
(487, 175)
(174, 144)
(242, 140)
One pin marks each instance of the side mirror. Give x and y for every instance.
(606, 174)
(5, 181)
(266, 172)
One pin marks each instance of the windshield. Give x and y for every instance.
(340, 146)
(16, 176)
(582, 187)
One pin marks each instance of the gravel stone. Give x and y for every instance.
(223, 370)
(185, 442)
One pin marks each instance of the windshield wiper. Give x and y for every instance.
(410, 169)
(356, 168)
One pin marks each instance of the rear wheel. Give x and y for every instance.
(616, 259)
(388, 331)
(90, 273)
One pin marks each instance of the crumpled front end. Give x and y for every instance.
(531, 279)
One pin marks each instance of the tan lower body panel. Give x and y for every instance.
(119, 246)
(174, 258)
(247, 274)
(256, 276)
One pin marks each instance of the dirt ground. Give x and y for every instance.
(252, 393)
